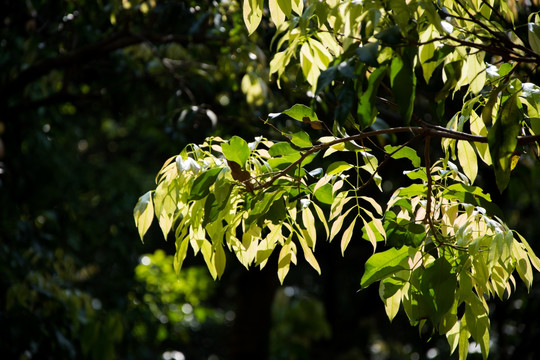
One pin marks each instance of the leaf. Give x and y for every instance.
(219, 259)
(308, 254)
(326, 78)
(502, 139)
(478, 323)
(438, 285)
(301, 139)
(403, 82)
(201, 185)
(337, 225)
(534, 259)
(403, 152)
(309, 223)
(299, 112)
(479, 128)
(367, 112)
(347, 235)
(534, 37)
(252, 13)
(369, 53)
(370, 234)
(276, 12)
(237, 150)
(384, 264)
(181, 252)
(322, 218)
(165, 204)
(284, 260)
(144, 213)
(391, 305)
(467, 159)
(338, 167)
(324, 194)
(282, 148)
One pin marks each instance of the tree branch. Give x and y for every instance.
(426, 129)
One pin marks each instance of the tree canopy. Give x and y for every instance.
(448, 87)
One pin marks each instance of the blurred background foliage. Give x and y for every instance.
(94, 96)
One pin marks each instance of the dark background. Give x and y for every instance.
(93, 99)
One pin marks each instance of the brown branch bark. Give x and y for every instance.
(426, 129)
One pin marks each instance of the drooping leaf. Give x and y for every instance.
(367, 112)
(384, 264)
(252, 12)
(438, 285)
(534, 36)
(144, 213)
(403, 82)
(502, 139)
(467, 159)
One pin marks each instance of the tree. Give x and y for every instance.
(387, 79)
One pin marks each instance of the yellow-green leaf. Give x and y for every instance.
(347, 235)
(276, 13)
(252, 11)
(308, 254)
(467, 159)
(144, 213)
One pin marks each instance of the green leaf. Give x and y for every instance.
(369, 53)
(301, 139)
(438, 285)
(390, 36)
(144, 213)
(478, 323)
(201, 185)
(237, 150)
(300, 112)
(382, 265)
(165, 204)
(324, 194)
(282, 148)
(534, 37)
(405, 152)
(338, 167)
(502, 139)
(326, 78)
(367, 112)
(263, 202)
(413, 190)
(403, 82)
(181, 252)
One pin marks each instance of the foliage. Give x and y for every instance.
(447, 248)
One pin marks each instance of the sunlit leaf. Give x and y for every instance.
(252, 11)
(467, 159)
(144, 213)
(347, 235)
(384, 264)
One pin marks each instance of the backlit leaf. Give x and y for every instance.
(384, 264)
(467, 159)
(144, 213)
(236, 150)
